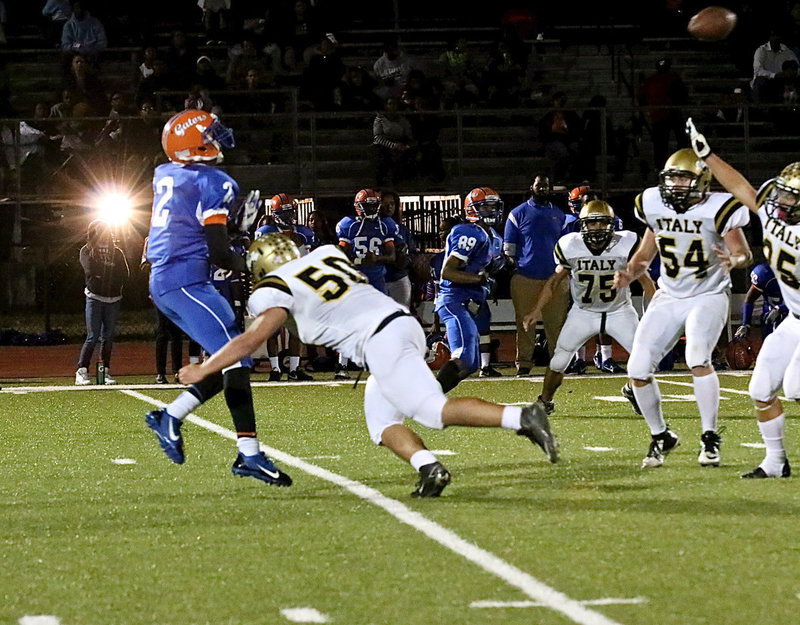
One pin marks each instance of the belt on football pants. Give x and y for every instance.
(395, 315)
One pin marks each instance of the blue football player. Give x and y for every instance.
(281, 218)
(763, 284)
(466, 282)
(369, 240)
(189, 233)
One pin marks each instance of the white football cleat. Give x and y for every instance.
(82, 377)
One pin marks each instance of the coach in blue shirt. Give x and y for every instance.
(532, 231)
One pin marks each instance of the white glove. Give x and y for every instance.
(697, 140)
(773, 315)
(249, 210)
(742, 332)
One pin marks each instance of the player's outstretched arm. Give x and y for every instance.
(639, 262)
(242, 346)
(736, 252)
(729, 177)
(553, 282)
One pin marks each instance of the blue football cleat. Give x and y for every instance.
(261, 468)
(168, 432)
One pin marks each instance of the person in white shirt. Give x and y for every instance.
(768, 63)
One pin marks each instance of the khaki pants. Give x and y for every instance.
(525, 292)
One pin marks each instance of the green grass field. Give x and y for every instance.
(592, 540)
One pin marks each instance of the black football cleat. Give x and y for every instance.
(627, 393)
(275, 375)
(710, 442)
(433, 478)
(660, 446)
(535, 426)
(298, 375)
(549, 406)
(760, 474)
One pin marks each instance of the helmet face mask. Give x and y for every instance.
(367, 204)
(684, 181)
(783, 202)
(283, 209)
(484, 205)
(597, 225)
(267, 253)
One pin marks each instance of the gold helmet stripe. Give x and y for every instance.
(725, 212)
(763, 194)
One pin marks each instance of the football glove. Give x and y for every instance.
(697, 140)
(742, 332)
(248, 212)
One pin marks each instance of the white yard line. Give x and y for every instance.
(535, 604)
(304, 615)
(530, 586)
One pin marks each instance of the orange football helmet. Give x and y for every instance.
(195, 136)
(283, 209)
(483, 204)
(367, 203)
(575, 200)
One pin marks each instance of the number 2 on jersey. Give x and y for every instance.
(164, 189)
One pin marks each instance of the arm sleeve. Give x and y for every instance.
(219, 250)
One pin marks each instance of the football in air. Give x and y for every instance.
(713, 23)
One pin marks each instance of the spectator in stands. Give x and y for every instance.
(24, 146)
(106, 272)
(182, 59)
(460, 75)
(501, 82)
(63, 108)
(206, 75)
(160, 80)
(768, 62)
(199, 98)
(144, 141)
(56, 12)
(391, 69)
(302, 33)
(394, 143)
(358, 91)
(418, 85)
(83, 33)
(319, 225)
(114, 133)
(322, 77)
(243, 57)
(531, 233)
(784, 89)
(216, 20)
(145, 68)
(560, 132)
(661, 94)
(86, 86)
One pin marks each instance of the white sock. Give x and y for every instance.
(273, 362)
(485, 358)
(183, 405)
(511, 417)
(649, 399)
(605, 352)
(581, 353)
(421, 458)
(343, 360)
(706, 392)
(247, 445)
(294, 362)
(772, 434)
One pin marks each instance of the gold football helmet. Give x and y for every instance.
(267, 253)
(597, 224)
(783, 202)
(684, 181)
